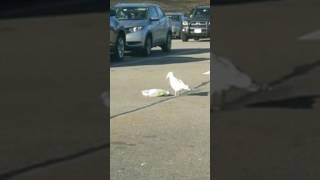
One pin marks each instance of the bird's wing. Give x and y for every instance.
(174, 83)
(183, 85)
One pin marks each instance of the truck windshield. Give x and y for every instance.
(200, 13)
(131, 13)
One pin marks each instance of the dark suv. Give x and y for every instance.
(197, 25)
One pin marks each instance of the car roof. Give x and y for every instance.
(135, 5)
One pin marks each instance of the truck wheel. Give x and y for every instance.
(167, 45)
(184, 38)
(196, 38)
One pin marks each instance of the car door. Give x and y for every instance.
(163, 25)
(154, 25)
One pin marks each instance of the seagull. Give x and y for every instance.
(226, 76)
(176, 84)
(206, 73)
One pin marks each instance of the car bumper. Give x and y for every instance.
(191, 32)
(135, 40)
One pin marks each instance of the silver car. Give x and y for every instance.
(146, 26)
(176, 19)
(117, 38)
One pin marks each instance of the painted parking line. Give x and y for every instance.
(315, 35)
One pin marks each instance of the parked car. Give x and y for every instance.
(176, 19)
(146, 26)
(197, 25)
(117, 37)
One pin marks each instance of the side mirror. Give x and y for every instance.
(154, 18)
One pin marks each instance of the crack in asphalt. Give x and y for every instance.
(160, 101)
(296, 72)
(53, 161)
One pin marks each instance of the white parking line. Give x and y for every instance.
(315, 35)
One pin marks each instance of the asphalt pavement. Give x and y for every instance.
(258, 136)
(53, 124)
(161, 137)
(273, 134)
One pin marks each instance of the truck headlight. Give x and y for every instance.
(135, 29)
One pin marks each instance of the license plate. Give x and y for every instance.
(197, 30)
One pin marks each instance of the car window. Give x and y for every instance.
(131, 13)
(200, 12)
(160, 12)
(153, 12)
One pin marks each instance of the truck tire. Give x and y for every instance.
(184, 38)
(166, 47)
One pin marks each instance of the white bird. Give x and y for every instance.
(176, 84)
(226, 76)
(206, 73)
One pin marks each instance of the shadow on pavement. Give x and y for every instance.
(164, 60)
(199, 94)
(298, 102)
(159, 53)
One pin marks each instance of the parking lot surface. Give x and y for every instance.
(162, 137)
